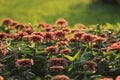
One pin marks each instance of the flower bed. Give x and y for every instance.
(58, 52)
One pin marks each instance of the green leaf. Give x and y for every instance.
(68, 57)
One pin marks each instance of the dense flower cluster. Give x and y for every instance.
(57, 50)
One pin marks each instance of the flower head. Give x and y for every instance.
(114, 46)
(60, 77)
(24, 62)
(6, 21)
(1, 78)
(65, 51)
(62, 22)
(51, 49)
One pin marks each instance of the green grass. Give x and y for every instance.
(75, 11)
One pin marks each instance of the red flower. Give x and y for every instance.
(36, 38)
(114, 46)
(6, 21)
(117, 78)
(13, 24)
(91, 65)
(65, 51)
(88, 38)
(51, 49)
(59, 35)
(62, 43)
(14, 36)
(57, 62)
(19, 26)
(99, 39)
(1, 66)
(3, 36)
(48, 36)
(24, 62)
(60, 77)
(42, 24)
(78, 35)
(62, 22)
(56, 68)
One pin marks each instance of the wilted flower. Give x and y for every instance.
(65, 51)
(60, 77)
(57, 62)
(114, 46)
(62, 22)
(24, 62)
(6, 21)
(51, 49)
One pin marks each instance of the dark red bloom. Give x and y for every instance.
(88, 38)
(91, 65)
(19, 26)
(36, 38)
(24, 62)
(6, 21)
(62, 43)
(48, 36)
(59, 35)
(65, 51)
(51, 49)
(42, 24)
(57, 62)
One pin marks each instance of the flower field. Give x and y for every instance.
(59, 52)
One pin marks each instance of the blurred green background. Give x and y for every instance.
(74, 11)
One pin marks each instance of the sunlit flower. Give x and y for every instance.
(114, 46)
(24, 62)
(4, 50)
(35, 38)
(62, 22)
(81, 26)
(51, 50)
(42, 24)
(105, 79)
(57, 62)
(6, 21)
(60, 77)
(1, 78)
(65, 51)
(62, 43)
(117, 78)
(56, 68)
(99, 39)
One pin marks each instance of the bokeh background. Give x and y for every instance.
(87, 12)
